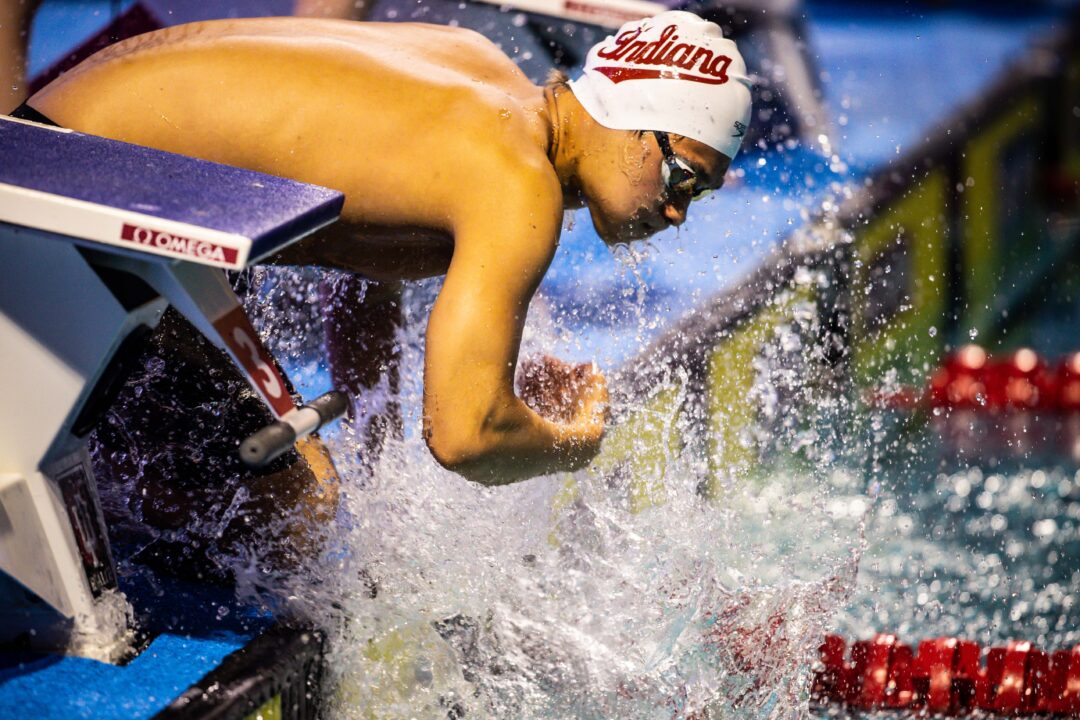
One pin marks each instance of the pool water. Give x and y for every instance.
(975, 534)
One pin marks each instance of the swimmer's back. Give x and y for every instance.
(424, 51)
(306, 99)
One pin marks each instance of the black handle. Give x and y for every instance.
(330, 406)
(278, 437)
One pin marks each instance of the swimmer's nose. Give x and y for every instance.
(675, 214)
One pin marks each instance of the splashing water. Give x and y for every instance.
(618, 592)
(568, 597)
(560, 597)
(622, 591)
(519, 603)
(629, 259)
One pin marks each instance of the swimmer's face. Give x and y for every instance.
(627, 195)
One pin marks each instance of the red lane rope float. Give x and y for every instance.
(970, 378)
(945, 677)
(1019, 380)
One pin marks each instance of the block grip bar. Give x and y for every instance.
(279, 436)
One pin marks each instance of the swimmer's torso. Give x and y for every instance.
(411, 122)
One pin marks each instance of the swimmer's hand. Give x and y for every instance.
(574, 395)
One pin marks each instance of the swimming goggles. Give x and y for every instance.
(680, 179)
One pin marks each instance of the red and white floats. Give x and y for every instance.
(944, 676)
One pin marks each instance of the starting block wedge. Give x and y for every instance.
(97, 237)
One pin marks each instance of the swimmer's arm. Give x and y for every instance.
(473, 422)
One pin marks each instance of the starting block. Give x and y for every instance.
(97, 237)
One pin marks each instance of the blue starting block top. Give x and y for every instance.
(140, 200)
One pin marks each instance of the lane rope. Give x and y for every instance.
(944, 676)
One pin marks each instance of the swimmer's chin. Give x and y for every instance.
(628, 233)
(621, 233)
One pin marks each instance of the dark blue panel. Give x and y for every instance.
(272, 211)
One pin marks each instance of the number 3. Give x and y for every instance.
(269, 381)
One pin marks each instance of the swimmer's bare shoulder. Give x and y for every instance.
(384, 112)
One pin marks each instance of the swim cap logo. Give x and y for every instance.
(178, 245)
(701, 64)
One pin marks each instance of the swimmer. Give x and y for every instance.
(15, 19)
(453, 163)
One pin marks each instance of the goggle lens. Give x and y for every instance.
(680, 178)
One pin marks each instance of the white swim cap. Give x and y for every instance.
(673, 72)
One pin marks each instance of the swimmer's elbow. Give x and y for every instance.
(468, 462)
(453, 450)
(476, 461)
(447, 450)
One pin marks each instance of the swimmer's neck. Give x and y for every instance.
(561, 110)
